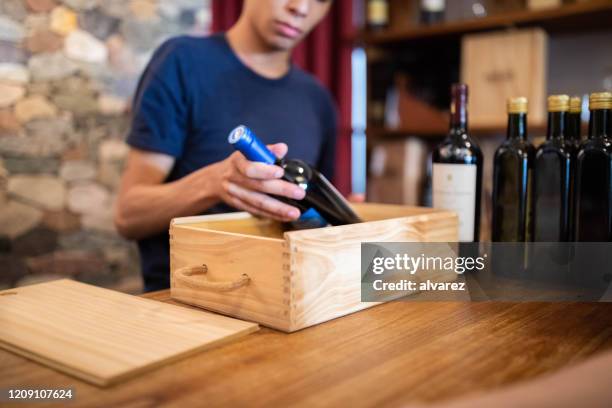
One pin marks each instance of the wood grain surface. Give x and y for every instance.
(505, 64)
(103, 336)
(389, 355)
(325, 264)
(304, 278)
(227, 256)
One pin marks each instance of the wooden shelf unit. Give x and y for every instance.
(427, 52)
(594, 14)
(384, 133)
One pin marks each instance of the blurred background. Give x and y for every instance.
(68, 70)
(415, 50)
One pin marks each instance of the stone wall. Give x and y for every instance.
(68, 69)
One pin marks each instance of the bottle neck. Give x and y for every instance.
(517, 126)
(459, 117)
(556, 125)
(573, 127)
(599, 123)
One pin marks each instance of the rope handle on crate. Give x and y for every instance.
(189, 277)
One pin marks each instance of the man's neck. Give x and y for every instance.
(255, 53)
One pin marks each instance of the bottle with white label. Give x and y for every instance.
(457, 170)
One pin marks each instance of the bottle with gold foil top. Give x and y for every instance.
(573, 131)
(594, 174)
(512, 172)
(378, 14)
(553, 177)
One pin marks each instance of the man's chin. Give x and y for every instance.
(280, 43)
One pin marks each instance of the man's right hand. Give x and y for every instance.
(244, 184)
(146, 204)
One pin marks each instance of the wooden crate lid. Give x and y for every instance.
(102, 336)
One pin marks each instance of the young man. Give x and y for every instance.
(192, 94)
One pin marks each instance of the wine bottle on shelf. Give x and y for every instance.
(553, 178)
(512, 172)
(432, 11)
(321, 195)
(574, 121)
(457, 169)
(594, 174)
(574, 136)
(378, 14)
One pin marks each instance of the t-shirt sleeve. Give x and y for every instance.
(160, 105)
(327, 157)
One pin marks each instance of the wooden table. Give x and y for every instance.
(388, 355)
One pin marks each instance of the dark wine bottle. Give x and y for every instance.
(432, 11)
(594, 174)
(321, 195)
(512, 172)
(574, 121)
(553, 178)
(457, 169)
(378, 14)
(573, 132)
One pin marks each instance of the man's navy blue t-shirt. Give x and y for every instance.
(194, 92)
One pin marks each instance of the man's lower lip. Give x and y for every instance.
(287, 31)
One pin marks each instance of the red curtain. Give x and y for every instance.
(326, 53)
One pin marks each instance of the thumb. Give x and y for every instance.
(279, 149)
(356, 198)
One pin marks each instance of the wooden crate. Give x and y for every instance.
(395, 171)
(501, 65)
(250, 268)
